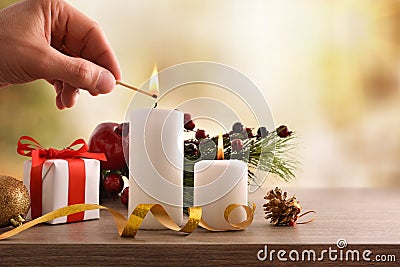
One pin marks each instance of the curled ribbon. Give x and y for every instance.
(130, 227)
(240, 226)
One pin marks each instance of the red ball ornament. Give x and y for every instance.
(187, 117)
(200, 134)
(113, 184)
(188, 123)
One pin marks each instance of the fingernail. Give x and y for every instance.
(105, 83)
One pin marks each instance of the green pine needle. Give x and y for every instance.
(273, 154)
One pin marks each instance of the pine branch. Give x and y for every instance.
(273, 153)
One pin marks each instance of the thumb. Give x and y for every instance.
(80, 73)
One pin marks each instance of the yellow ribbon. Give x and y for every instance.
(130, 227)
(240, 226)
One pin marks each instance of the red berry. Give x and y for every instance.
(187, 117)
(237, 145)
(189, 124)
(249, 133)
(262, 132)
(125, 196)
(292, 223)
(200, 134)
(113, 184)
(283, 131)
(237, 127)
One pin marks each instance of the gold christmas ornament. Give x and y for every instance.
(14, 201)
(282, 211)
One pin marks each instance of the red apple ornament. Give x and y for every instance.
(111, 139)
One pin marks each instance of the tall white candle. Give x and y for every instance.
(217, 184)
(156, 162)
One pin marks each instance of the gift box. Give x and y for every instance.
(59, 189)
(59, 178)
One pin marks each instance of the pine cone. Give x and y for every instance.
(282, 211)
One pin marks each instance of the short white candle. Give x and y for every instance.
(217, 184)
(156, 162)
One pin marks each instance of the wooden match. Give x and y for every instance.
(136, 89)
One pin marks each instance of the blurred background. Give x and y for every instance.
(329, 70)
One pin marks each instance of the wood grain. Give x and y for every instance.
(366, 218)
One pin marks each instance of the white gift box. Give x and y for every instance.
(55, 187)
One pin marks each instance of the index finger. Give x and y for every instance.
(82, 36)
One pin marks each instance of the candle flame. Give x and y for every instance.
(220, 154)
(153, 84)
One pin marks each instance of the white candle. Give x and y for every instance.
(217, 184)
(156, 162)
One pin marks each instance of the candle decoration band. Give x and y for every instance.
(130, 227)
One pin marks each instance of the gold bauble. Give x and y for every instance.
(14, 201)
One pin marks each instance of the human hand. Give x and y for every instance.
(35, 38)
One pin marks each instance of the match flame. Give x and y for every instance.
(220, 154)
(153, 84)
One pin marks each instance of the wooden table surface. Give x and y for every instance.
(365, 218)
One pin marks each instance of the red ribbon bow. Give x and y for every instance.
(39, 154)
(27, 146)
